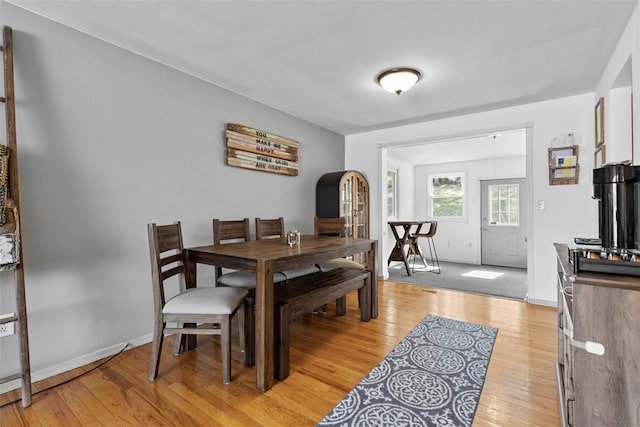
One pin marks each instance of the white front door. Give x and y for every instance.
(504, 222)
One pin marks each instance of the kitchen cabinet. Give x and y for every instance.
(602, 313)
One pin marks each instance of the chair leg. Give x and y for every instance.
(248, 334)
(341, 306)
(241, 331)
(432, 251)
(156, 348)
(225, 348)
(177, 345)
(416, 251)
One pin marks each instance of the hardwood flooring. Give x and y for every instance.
(329, 356)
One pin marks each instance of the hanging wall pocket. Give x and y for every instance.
(563, 165)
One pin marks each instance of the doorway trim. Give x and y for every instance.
(382, 165)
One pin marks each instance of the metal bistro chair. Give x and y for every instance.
(433, 254)
(207, 305)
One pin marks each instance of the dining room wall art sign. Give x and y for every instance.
(256, 149)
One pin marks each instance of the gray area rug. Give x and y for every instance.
(479, 279)
(433, 377)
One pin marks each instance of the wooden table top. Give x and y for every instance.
(411, 222)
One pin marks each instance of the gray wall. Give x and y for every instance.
(108, 142)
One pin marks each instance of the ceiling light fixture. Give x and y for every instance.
(398, 80)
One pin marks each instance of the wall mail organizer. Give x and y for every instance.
(255, 149)
(563, 165)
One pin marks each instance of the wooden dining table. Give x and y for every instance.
(408, 239)
(267, 256)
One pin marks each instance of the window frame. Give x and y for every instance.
(463, 196)
(490, 204)
(392, 208)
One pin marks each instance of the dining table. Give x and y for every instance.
(407, 239)
(266, 257)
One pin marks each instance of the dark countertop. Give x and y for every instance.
(593, 279)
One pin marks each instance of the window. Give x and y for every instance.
(447, 195)
(504, 202)
(392, 189)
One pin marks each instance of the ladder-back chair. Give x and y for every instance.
(269, 228)
(334, 227)
(230, 231)
(273, 229)
(206, 305)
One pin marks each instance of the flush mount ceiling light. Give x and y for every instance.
(398, 80)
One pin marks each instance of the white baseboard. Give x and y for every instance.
(542, 302)
(76, 363)
(459, 261)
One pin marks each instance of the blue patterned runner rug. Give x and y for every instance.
(433, 377)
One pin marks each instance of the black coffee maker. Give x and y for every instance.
(617, 189)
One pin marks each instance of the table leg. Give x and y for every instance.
(373, 285)
(397, 254)
(264, 325)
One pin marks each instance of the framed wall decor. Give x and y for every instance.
(599, 122)
(600, 156)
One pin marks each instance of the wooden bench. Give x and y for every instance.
(303, 294)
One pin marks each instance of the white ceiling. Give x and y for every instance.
(318, 60)
(509, 144)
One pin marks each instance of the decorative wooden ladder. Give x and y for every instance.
(13, 222)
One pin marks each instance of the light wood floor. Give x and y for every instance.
(329, 354)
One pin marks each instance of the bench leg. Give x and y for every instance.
(341, 306)
(281, 341)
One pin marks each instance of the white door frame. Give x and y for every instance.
(382, 165)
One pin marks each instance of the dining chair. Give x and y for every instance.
(334, 227)
(187, 307)
(230, 231)
(269, 228)
(273, 229)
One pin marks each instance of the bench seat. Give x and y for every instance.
(303, 294)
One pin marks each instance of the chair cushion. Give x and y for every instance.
(206, 300)
(300, 271)
(340, 263)
(245, 279)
